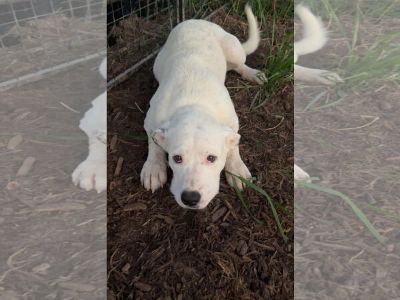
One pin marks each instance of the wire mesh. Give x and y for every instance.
(40, 36)
(121, 9)
(136, 30)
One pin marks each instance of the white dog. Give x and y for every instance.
(92, 172)
(191, 115)
(314, 38)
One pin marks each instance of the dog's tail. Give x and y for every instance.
(103, 68)
(254, 34)
(314, 34)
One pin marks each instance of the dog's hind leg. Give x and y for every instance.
(235, 52)
(154, 171)
(236, 166)
(251, 74)
(316, 75)
(236, 57)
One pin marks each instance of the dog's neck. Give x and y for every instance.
(194, 114)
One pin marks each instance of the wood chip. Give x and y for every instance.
(26, 166)
(41, 269)
(269, 248)
(66, 206)
(14, 142)
(144, 287)
(178, 286)
(166, 219)
(393, 158)
(125, 269)
(119, 166)
(135, 206)
(242, 251)
(113, 142)
(111, 295)
(22, 116)
(218, 214)
(78, 287)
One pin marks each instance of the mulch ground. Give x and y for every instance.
(52, 234)
(335, 255)
(156, 249)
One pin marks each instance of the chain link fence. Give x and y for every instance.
(136, 29)
(40, 37)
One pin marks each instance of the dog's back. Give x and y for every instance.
(191, 46)
(203, 46)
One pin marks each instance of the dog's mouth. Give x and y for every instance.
(197, 207)
(192, 207)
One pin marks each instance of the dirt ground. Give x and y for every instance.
(52, 234)
(335, 255)
(156, 249)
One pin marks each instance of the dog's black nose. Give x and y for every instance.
(190, 198)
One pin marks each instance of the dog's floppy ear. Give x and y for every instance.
(159, 135)
(232, 139)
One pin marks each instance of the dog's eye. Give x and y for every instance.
(211, 158)
(177, 159)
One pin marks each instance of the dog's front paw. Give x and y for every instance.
(153, 175)
(238, 169)
(91, 174)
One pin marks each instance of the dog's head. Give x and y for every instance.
(196, 154)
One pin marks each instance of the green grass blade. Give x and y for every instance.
(363, 218)
(244, 203)
(268, 199)
(313, 101)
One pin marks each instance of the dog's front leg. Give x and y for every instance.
(92, 172)
(236, 166)
(154, 172)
